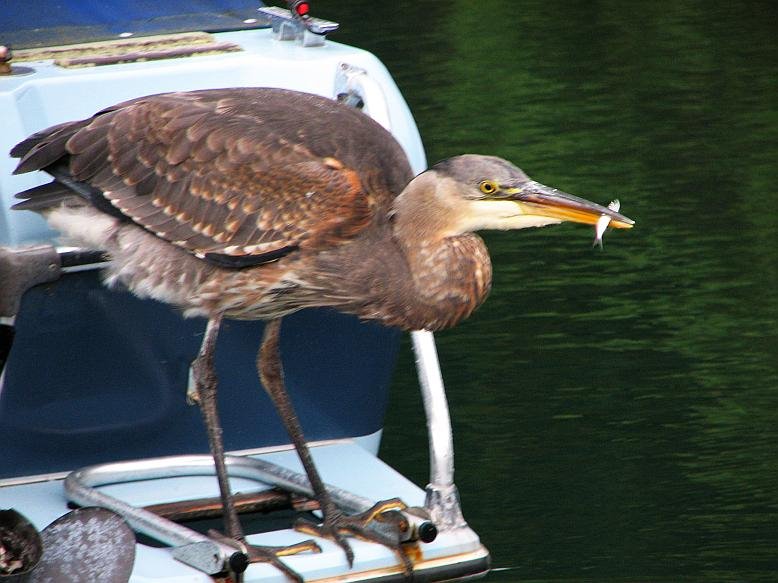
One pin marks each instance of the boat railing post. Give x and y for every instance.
(442, 501)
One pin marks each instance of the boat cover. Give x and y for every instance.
(102, 375)
(38, 23)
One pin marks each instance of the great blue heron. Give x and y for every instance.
(254, 203)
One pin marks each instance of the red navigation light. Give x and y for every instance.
(302, 9)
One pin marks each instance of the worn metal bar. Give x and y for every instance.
(442, 499)
(205, 508)
(191, 547)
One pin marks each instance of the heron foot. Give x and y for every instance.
(381, 523)
(269, 554)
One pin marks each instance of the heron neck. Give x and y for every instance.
(428, 209)
(449, 273)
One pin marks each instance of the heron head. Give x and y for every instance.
(499, 195)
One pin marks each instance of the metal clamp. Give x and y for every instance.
(20, 269)
(356, 88)
(298, 25)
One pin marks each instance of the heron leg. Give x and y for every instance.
(205, 384)
(336, 525)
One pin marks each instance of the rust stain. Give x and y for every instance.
(419, 563)
(413, 551)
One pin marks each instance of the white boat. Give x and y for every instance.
(92, 393)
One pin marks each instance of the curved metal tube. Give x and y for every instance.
(191, 547)
(442, 500)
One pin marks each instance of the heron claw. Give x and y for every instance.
(270, 554)
(376, 524)
(262, 554)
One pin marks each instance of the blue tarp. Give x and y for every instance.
(36, 23)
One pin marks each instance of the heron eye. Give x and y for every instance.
(488, 187)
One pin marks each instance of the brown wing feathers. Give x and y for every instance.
(230, 183)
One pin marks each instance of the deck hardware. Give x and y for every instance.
(297, 26)
(354, 87)
(20, 269)
(6, 69)
(5, 60)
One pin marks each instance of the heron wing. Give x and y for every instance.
(238, 177)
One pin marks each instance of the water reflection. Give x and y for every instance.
(616, 411)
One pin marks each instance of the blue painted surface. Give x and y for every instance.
(102, 375)
(46, 23)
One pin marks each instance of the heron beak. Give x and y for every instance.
(540, 200)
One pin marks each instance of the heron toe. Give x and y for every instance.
(267, 554)
(379, 524)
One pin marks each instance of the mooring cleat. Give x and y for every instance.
(265, 554)
(378, 524)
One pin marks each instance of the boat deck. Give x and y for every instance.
(456, 554)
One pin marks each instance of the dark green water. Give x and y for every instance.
(616, 411)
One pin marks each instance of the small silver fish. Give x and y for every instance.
(603, 222)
